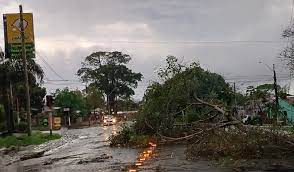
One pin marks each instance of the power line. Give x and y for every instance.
(291, 17)
(63, 80)
(49, 83)
(50, 67)
(179, 42)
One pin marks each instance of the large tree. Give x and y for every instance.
(94, 98)
(165, 103)
(108, 72)
(287, 54)
(12, 75)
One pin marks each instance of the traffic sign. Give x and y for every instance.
(12, 35)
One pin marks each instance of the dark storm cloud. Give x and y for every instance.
(68, 30)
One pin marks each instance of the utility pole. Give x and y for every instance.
(17, 110)
(276, 91)
(235, 100)
(49, 108)
(23, 53)
(11, 105)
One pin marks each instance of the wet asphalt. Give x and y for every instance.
(84, 149)
(88, 150)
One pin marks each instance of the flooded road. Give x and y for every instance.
(78, 150)
(88, 150)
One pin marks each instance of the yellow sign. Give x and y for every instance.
(13, 30)
(57, 122)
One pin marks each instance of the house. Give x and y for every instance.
(287, 107)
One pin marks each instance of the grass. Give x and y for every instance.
(40, 128)
(24, 140)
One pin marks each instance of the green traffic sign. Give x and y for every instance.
(14, 50)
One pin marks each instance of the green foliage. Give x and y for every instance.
(163, 102)
(14, 70)
(123, 137)
(94, 98)
(260, 95)
(24, 140)
(127, 104)
(70, 99)
(108, 72)
(37, 94)
(262, 92)
(12, 74)
(171, 69)
(128, 137)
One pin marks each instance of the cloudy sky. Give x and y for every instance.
(229, 37)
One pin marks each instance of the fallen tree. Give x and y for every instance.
(228, 137)
(194, 107)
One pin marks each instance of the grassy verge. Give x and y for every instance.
(35, 139)
(40, 128)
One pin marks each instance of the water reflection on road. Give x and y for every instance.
(142, 157)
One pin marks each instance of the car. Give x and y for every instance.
(109, 120)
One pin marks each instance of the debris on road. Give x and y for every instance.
(101, 158)
(32, 155)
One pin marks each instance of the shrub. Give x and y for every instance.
(128, 137)
(123, 137)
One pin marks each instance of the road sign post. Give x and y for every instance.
(28, 103)
(50, 122)
(13, 26)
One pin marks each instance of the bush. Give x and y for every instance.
(123, 137)
(22, 127)
(127, 137)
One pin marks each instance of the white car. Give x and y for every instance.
(109, 120)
